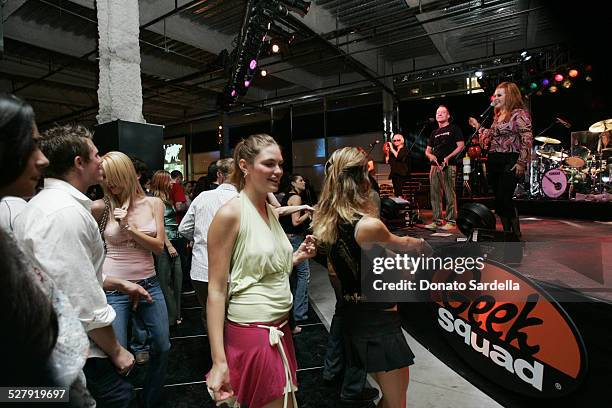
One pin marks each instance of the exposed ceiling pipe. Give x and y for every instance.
(415, 37)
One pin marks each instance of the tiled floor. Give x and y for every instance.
(190, 360)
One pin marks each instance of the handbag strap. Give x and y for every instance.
(104, 220)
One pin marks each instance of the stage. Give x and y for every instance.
(561, 209)
(570, 262)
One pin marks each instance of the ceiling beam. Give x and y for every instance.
(439, 41)
(183, 29)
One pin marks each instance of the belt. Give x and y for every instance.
(274, 337)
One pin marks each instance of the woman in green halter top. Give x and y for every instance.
(252, 349)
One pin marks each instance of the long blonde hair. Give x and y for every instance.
(119, 170)
(160, 185)
(248, 149)
(345, 195)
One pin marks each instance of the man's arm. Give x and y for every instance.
(187, 225)
(104, 337)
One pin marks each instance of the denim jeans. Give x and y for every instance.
(302, 279)
(105, 385)
(171, 282)
(154, 317)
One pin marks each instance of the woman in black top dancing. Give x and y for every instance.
(344, 224)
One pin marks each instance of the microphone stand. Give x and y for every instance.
(372, 146)
(483, 117)
(418, 137)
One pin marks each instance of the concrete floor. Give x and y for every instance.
(432, 383)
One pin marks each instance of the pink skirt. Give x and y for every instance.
(257, 372)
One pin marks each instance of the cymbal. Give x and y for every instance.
(552, 154)
(548, 140)
(601, 126)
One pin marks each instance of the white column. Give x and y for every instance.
(119, 88)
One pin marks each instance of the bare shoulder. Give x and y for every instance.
(229, 213)
(295, 199)
(97, 209)
(370, 224)
(154, 202)
(371, 229)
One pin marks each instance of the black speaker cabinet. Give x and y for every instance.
(141, 140)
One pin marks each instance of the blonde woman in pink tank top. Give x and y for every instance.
(132, 225)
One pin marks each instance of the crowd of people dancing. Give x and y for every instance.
(92, 287)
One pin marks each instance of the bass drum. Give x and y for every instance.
(554, 183)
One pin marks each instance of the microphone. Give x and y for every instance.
(563, 122)
(374, 143)
(492, 104)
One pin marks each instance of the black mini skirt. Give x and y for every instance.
(373, 340)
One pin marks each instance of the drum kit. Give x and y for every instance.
(558, 173)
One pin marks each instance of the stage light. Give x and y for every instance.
(253, 64)
(247, 83)
(263, 72)
(275, 48)
(220, 127)
(533, 85)
(545, 82)
(588, 78)
(558, 77)
(567, 83)
(478, 74)
(573, 73)
(588, 68)
(539, 93)
(553, 89)
(233, 93)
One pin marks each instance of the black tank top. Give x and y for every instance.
(286, 222)
(345, 257)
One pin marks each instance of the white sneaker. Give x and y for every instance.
(448, 226)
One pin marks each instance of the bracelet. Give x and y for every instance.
(126, 227)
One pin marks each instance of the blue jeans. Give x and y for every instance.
(302, 279)
(171, 282)
(154, 317)
(105, 385)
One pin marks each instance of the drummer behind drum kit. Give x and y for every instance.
(556, 172)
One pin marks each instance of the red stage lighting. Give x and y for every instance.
(573, 73)
(558, 77)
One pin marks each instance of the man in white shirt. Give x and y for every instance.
(196, 222)
(10, 208)
(60, 234)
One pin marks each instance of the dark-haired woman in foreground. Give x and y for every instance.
(43, 342)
